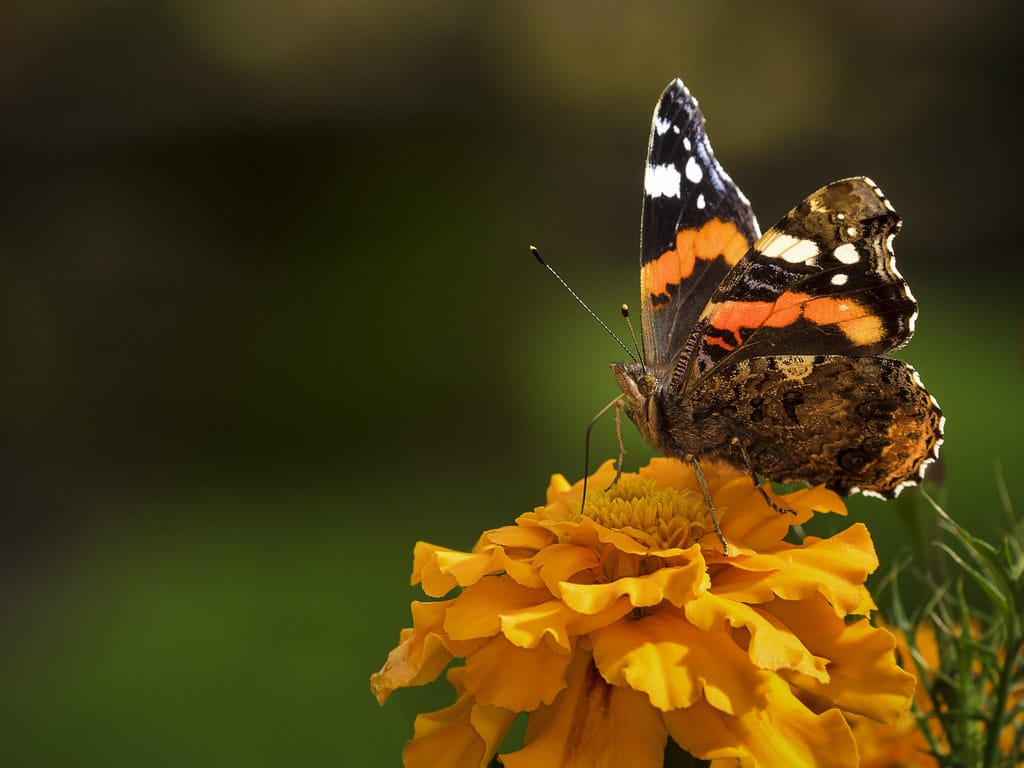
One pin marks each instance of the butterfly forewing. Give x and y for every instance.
(821, 281)
(696, 225)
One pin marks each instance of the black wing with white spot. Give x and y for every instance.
(696, 225)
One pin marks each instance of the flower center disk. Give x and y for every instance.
(657, 518)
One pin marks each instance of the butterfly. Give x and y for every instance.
(766, 351)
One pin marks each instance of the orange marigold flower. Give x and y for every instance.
(622, 625)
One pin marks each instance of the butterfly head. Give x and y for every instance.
(641, 389)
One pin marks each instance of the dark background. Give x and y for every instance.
(268, 316)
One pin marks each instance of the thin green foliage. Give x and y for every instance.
(972, 715)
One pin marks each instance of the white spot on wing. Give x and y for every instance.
(700, 201)
(686, 144)
(846, 254)
(693, 170)
(661, 125)
(793, 250)
(662, 181)
(839, 279)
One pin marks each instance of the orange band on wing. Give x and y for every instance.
(715, 239)
(855, 320)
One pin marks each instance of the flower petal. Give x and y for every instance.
(592, 725)
(834, 568)
(526, 628)
(673, 473)
(478, 609)
(675, 663)
(464, 735)
(783, 732)
(440, 570)
(677, 585)
(863, 676)
(421, 655)
(772, 646)
(565, 562)
(532, 537)
(519, 679)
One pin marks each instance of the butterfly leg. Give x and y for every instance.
(710, 504)
(622, 447)
(753, 476)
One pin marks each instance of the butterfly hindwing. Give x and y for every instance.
(853, 423)
(821, 281)
(696, 225)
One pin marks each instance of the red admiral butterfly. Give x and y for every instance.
(763, 350)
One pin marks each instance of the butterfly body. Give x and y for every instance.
(765, 350)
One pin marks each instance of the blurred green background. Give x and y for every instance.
(268, 316)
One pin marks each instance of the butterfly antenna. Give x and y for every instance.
(580, 301)
(632, 334)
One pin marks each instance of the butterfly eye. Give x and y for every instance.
(647, 384)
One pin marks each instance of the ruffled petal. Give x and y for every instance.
(515, 678)
(440, 570)
(464, 735)
(674, 663)
(676, 585)
(564, 562)
(834, 568)
(673, 473)
(759, 527)
(772, 646)
(862, 673)
(478, 610)
(421, 655)
(782, 732)
(587, 533)
(592, 725)
(528, 627)
(517, 537)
